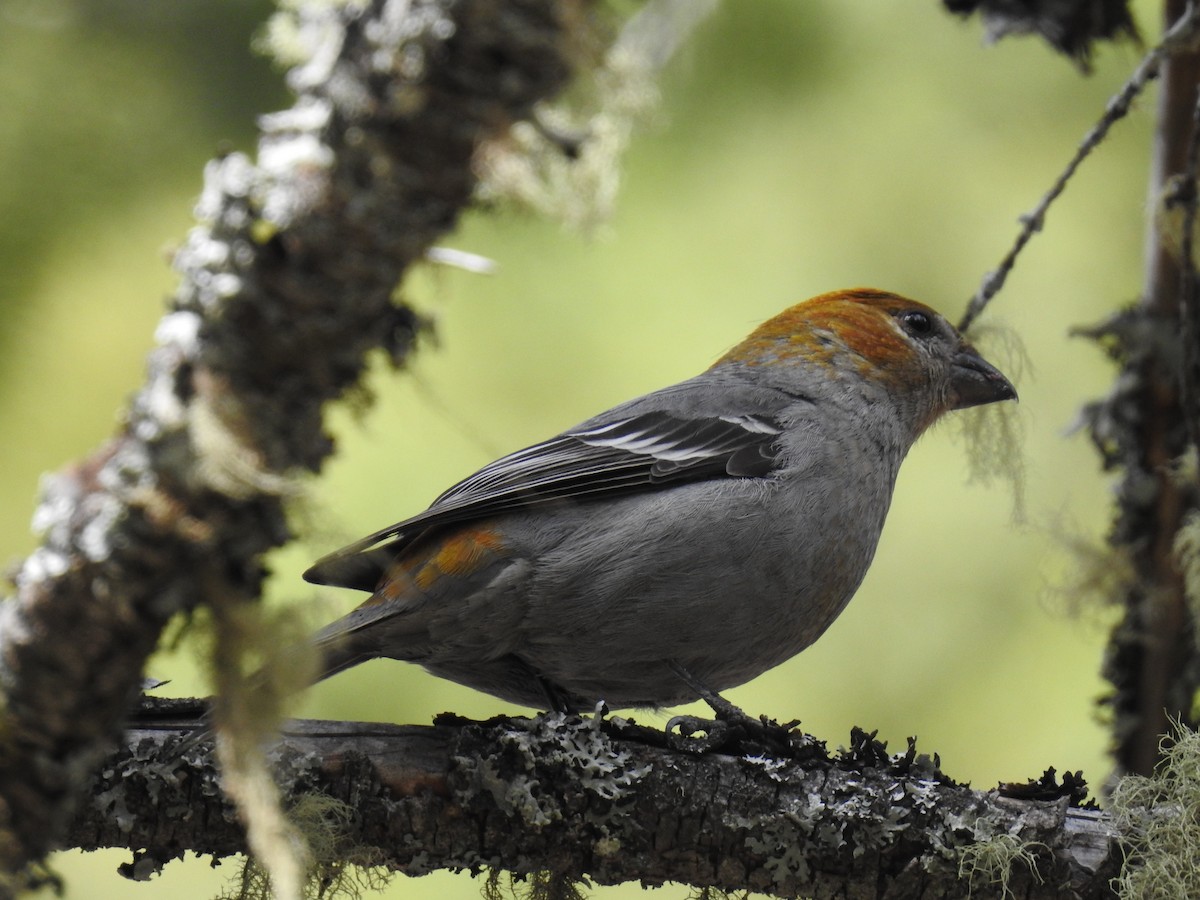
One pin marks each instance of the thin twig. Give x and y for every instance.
(1182, 33)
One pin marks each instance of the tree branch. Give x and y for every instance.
(286, 285)
(612, 802)
(1153, 661)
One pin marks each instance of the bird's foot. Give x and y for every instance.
(730, 727)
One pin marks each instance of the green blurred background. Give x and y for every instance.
(800, 147)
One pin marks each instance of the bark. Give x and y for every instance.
(1152, 660)
(286, 285)
(608, 801)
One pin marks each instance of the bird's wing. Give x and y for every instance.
(636, 452)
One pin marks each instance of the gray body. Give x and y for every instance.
(727, 577)
(719, 525)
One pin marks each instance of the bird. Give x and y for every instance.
(681, 543)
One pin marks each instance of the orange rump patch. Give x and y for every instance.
(459, 555)
(456, 555)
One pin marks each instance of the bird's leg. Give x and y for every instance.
(556, 697)
(729, 724)
(724, 710)
(516, 673)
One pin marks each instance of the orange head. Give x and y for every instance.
(876, 339)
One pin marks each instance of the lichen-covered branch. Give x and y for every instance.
(609, 802)
(1153, 660)
(286, 284)
(1070, 28)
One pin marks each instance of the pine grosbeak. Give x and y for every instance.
(714, 528)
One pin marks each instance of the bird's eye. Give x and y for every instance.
(916, 322)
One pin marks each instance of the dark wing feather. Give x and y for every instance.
(642, 452)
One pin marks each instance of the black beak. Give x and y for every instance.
(975, 381)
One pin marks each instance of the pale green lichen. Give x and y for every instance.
(1159, 822)
(862, 815)
(225, 459)
(995, 434)
(534, 886)
(1097, 574)
(782, 843)
(601, 768)
(565, 164)
(1187, 552)
(259, 659)
(991, 863)
(519, 795)
(338, 870)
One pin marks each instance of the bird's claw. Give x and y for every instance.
(729, 727)
(716, 734)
